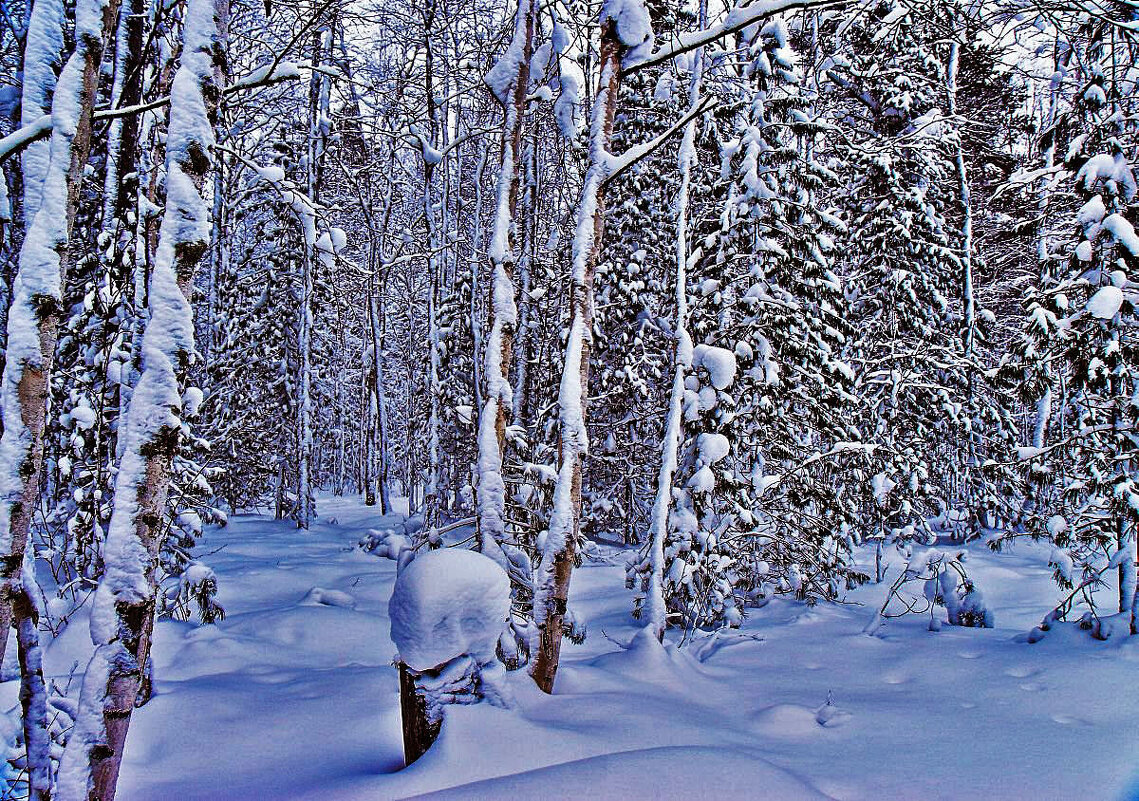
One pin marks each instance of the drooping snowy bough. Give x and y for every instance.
(448, 610)
(122, 617)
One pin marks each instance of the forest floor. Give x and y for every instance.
(293, 695)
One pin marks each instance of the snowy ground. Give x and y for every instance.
(289, 698)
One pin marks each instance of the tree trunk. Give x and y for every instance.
(419, 732)
(655, 609)
(124, 603)
(503, 312)
(565, 523)
(33, 324)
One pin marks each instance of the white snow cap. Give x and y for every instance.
(713, 447)
(448, 603)
(634, 27)
(1105, 303)
(719, 362)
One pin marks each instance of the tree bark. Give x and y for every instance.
(503, 312)
(556, 567)
(419, 732)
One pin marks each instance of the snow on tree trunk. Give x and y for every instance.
(654, 611)
(448, 610)
(44, 43)
(33, 321)
(556, 567)
(969, 304)
(509, 80)
(122, 616)
(431, 158)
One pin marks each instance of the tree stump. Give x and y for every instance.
(419, 732)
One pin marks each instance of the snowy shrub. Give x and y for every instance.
(935, 579)
(197, 586)
(386, 543)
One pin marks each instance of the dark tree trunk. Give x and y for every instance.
(419, 732)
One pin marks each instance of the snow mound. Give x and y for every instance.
(322, 597)
(830, 716)
(659, 773)
(448, 603)
(646, 659)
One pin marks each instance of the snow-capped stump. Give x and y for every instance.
(448, 603)
(448, 611)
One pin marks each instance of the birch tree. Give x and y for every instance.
(33, 321)
(122, 619)
(509, 81)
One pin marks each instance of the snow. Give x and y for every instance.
(502, 76)
(290, 700)
(882, 485)
(448, 603)
(726, 772)
(633, 25)
(1123, 232)
(431, 156)
(1105, 303)
(1113, 170)
(567, 106)
(712, 447)
(570, 81)
(719, 362)
(42, 48)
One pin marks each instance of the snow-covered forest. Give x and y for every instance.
(569, 398)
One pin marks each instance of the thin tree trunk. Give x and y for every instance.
(556, 567)
(968, 302)
(314, 184)
(503, 313)
(431, 500)
(124, 604)
(655, 608)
